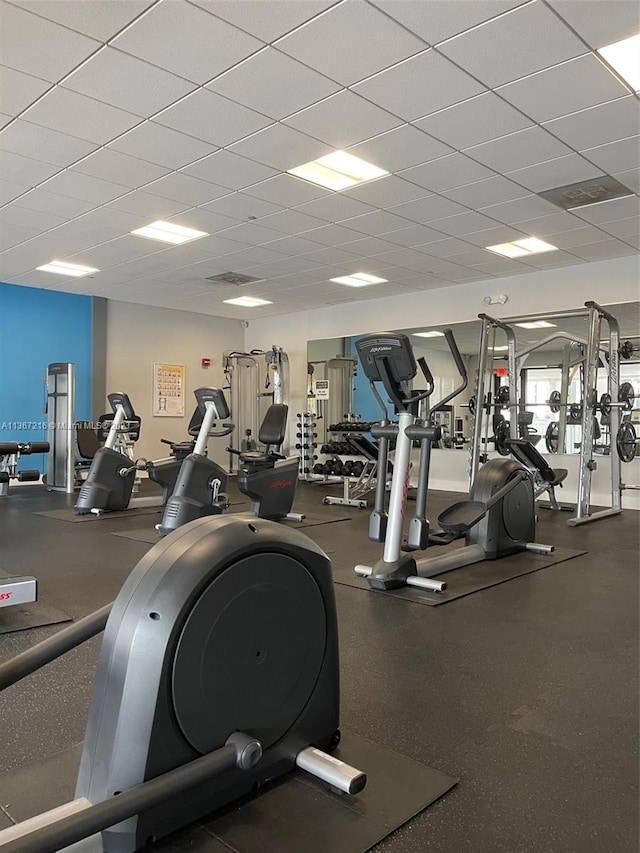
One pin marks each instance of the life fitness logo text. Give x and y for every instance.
(5, 596)
(281, 484)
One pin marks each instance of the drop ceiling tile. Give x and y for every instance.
(476, 120)
(255, 255)
(49, 202)
(204, 220)
(630, 178)
(489, 191)
(502, 266)
(454, 170)
(297, 264)
(386, 192)
(576, 237)
(84, 187)
(10, 190)
(90, 120)
(370, 247)
(604, 249)
(428, 209)
(414, 235)
(267, 21)
(530, 38)
(39, 47)
(493, 236)
(555, 173)
(210, 117)
(435, 22)
(520, 208)
(419, 86)
(468, 258)
(23, 218)
(295, 246)
(241, 206)
(100, 19)
(609, 211)
(115, 252)
(329, 255)
(14, 235)
(161, 145)
(280, 147)
(119, 168)
(184, 188)
(333, 235)
(600, 24)
(40, 143)
(541, 226)
(339, 43)
(554, 260)
(187, 41)
(286, 191)
(623, 228)
(599, 125)
(251, 234)
(520, 149)
(400, 148)
(292, 222)
(117, 220)
(150, 206)
(25, 170)
(18, 90)
(128, 83)
(343, 120)
(615, 156)
(574, 85)
(446, 248)
(273, 84)
(229, 170)
(335, 207)
(5, 119)
(465, 223)
(378, 222)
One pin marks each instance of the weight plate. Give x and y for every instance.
(626, 349)
(626, 442)
(502, 395)
(605, 404)
(626, 395)
(575, 412)
(472, 405)
(551, 437)
(501, 438)
(554, 402)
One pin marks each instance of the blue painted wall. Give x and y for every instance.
(38, 327)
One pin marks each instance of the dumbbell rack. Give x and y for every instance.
(306, 443)
(358, 477)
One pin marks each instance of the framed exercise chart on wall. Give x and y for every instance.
(168, 390)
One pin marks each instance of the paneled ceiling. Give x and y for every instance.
(116, 113)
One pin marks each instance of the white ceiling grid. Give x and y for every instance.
(115, 113)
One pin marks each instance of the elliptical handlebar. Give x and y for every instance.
(462, 370)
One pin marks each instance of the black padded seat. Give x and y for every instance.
(272, 432)
(87, 440)
(525, 452)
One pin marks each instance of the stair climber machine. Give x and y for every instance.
(201, 483)
(266, 476)
(218, 673)
(497, 519)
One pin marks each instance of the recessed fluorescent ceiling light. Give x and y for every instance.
(168, 232)
(359, 279)
(624, 58)
(518, 248)
(337, 171)
(428, 334)
(248, 301)
(63, 268)
(537, 324)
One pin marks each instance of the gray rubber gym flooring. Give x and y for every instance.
(526, 691)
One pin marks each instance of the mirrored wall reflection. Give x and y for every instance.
(345, 394)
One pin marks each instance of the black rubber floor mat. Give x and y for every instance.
(297, 813)
(466, 580)
(20, 617)
(69, 515)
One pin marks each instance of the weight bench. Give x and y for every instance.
(546, 478)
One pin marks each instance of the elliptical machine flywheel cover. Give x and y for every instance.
(250, 652)
(516, 510)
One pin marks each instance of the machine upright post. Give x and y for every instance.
(61, 385)
(474, 459)
(398, 496)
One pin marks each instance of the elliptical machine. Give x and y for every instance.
(218, 672)
(201, 483)
(497, 519)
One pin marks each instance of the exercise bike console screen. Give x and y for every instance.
(392, 348)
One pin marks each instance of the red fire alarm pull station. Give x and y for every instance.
(206, 362)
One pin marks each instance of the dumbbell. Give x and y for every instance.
(348, 467)
(318, 468)
(357, 469)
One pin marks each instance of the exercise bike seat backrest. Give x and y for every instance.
(271, 433)
(531, 457)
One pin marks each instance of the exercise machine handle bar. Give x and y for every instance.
(462, 370)
(53, 647)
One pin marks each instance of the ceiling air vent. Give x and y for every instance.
(584, 193)
(235, 278)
